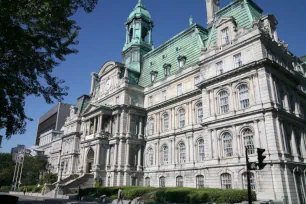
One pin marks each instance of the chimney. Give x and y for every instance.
(212, 6)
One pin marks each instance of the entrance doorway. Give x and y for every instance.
(89, 160)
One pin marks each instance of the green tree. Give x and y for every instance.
(6, 169)
(35, 36)
(32, 167)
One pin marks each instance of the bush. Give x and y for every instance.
(176, 195)
(5, 188)
(37, 189)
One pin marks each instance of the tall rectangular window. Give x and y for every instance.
(179, 89)
(196, 80)
(150, 100)
(117, 100)
(237, 60)
(225, 37)
(219, 66)
(164, 95)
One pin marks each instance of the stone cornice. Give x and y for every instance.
(78, 134)
(174, 100)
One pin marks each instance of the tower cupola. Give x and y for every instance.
(138, 41)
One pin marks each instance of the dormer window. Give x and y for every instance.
(167, 69)
(153, 76)
(225, 36)
(182, 61)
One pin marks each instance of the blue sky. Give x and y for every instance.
(103, 35)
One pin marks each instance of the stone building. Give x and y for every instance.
(183, 113)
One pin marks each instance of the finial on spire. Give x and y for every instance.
(190, 20)
(139, 3)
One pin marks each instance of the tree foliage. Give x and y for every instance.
(32, 167)
(35, 36)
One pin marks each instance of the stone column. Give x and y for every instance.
(280, 135)
(231, 99)
(210, 144)
(173, 151)
(116, 155)
(108, 156)
(118, 124)
(140, 134)
(158, 155)
(293, 140)
(98, 155)
(127, 159)
(139, 158)
(212, 103)
(284, 136)
(257, 136)
(129, 118)
(272, 88)
(258, 88)
(192, 153)
(95, 125)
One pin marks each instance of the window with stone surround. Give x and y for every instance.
(225, 36)
(165, 154)
(165, 122)
(133, 127)
(182, 152)
(200, 181)
(199, 112)
(227, 142)
(244, 101)
(245, 181)
(299, 185)
(117, 100)
(147, 181)
(164, 95)
(181, 118)
(201, 150)
(248, 139)
(197, 80)
(219, 68)
(179, 181)
(226, 181)
(223, 97)
(162, 181)
(151, 126)
(150, 157)
(150, 100)
(179, 89)
(237, 60)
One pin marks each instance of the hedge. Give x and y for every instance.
(33, 189)
(187, 195)
(176, 195)
(5, 188)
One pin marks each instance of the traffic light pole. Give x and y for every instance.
(248, 176)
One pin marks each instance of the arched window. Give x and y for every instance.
(201, 150)
(226, 181)
(166, 121)
(182, 152)
(224, 107)
(245, 181)
(150, 156)
(181, 118)
(199, 112)
(165, 150)
(200, 181)
(248, 138)
(299, 187)
(244, 96)
(151, 126)
(227, 141)
(179, 181)
(147, 181)
(162, 182)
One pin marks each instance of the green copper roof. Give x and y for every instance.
(140, 11)
(187, 43)
(245, 12)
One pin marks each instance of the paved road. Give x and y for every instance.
(40, 200)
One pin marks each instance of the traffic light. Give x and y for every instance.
(261, 158)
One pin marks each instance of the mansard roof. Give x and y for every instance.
(245, 12)
(188, 43)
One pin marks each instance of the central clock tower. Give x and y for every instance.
(138, 37)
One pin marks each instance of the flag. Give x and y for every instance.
(1, 141)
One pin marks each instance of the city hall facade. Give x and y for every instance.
(182, 114)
